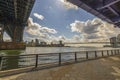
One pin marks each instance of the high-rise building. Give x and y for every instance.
(113, 42)
(36, 42)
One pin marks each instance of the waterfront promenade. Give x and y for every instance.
(99, 69)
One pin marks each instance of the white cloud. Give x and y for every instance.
(48, 30)
(41, 17)
(68, 4)
(91, 30)
(95, 29)
(35, 30)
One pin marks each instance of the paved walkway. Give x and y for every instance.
(101, 69)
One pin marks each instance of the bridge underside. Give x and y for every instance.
(13, 17)
(108, 10)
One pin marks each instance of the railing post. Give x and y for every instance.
(111, 52)
(118, 51)
(75, 57)
(0, 63)
(107, 53)
(86, 54)
(115, 52)
(102, 54)
(95, 54)
(36, 62)
(59, 59)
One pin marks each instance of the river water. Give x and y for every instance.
(43, 50)
(17, 62)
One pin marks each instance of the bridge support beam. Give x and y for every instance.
(109, 3)
(15, 31)
(1, 32)
(18, 34)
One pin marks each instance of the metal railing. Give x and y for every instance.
(41, 60)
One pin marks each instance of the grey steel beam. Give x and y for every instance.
(27, 8)
(1, 32)
(111, 9)
(117, 21)
(84, 6)
(15, 8)
(107, 5)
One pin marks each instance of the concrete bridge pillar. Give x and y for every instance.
(1, 32)
(15, 31)
(18, 34)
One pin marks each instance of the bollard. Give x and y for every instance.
(86, 54)
(75, 57)
(95, 54)
(59, 59)
(36, 62)
(102, 54)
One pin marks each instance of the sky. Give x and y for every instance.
(54, 20)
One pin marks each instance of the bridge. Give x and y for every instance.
(13, 18)
(107, 10)
(88, 43)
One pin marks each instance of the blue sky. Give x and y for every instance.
(57, 16)
(54, 20)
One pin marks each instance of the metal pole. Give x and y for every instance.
(111, 52)
(115, 52)
(86, 54)
(118, 52)
(107, 52)
(1, 61)
(95, 54)
(36, 62)
(75, 57)
(59, 59)
(102, 54)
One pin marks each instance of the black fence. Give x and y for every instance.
(49, 59)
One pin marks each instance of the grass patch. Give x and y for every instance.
(11, 52)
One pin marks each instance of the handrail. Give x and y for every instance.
(56, 53)
(61, 56)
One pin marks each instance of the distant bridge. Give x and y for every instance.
(108, 10)
(13, 17)
(87, 43)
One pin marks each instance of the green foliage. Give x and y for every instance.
(10, 52)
